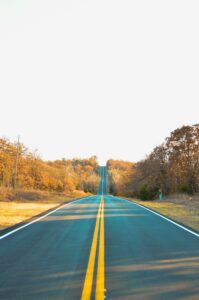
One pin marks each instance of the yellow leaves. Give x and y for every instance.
(32, 172)
(120, 176)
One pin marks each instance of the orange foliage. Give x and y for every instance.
(120, 174)
(34, 173)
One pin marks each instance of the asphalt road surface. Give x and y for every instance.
(100, 247)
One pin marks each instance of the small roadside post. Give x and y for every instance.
(160, 195)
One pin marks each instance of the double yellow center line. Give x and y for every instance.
(88, 282)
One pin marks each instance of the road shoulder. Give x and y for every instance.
(180, 213)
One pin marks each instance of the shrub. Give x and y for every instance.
(147, 193)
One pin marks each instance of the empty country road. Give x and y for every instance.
(96, 247)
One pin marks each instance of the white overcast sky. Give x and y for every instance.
(111, 78)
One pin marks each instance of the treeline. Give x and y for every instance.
(35, 173)
(172, 167)
(120, 177)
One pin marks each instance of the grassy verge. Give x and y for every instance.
(18, 206)
(186, 213)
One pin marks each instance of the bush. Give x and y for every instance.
(187, 189)
(147, 193)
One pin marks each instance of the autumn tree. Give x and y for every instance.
(183, 153)
(35, 173)
(171, 167)
(120, 177)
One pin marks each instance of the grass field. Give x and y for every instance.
(14, 212)
(22, 205)
(180, 210)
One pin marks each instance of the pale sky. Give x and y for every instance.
(108, 78)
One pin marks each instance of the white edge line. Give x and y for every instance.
(40, 218)
(169, 220)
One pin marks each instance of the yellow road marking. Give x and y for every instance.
(88, 282)
(99, 293)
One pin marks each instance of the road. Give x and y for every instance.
(97, 247)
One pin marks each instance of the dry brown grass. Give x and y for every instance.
(176, 208)
(21, 205)
(21, 195)
(14, 212)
